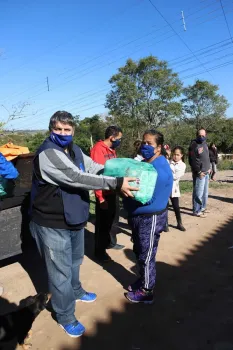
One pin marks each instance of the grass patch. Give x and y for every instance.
(92, 205)
(187, 186)
(226, 164)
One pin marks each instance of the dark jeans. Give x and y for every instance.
(103, 225)
(176, 207)
(63, 251)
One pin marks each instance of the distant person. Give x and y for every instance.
(200, 165)
(213, 160)
(107, 202)
(62, 178)
(137, 153)
(149, 220)
(178, 167)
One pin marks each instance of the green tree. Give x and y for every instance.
(203, 105)
(223, 136)
(146, 92)
(89, 131)
(34, 141)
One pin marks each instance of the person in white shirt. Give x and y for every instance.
(178, 167)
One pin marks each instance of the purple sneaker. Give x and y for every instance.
(135, 286)
(140, 296)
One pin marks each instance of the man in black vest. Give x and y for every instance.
(62, 177)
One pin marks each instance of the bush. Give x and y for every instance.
(226, 164)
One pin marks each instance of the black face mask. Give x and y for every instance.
(201, 139)
(116, 143)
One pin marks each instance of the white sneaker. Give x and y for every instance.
(206, 211)
(200, 215)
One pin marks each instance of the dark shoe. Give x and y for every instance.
(140, 296)
(166, 229)
(180, 227)
(116, 246)
(135, 286)
(104, 257)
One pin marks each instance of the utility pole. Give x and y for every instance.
(183, 20)
(47, 79)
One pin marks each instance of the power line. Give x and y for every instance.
(204, 54)
(179, 60)
(211, 68)
(88, 95)
(69, 41)
(88, 69)
(70, 102)
(218, 58)
(224, 42)
(183, 78)
(112, 50)
(227, 24)
(138, 50)
(193, 13)
(155, 7)
(42, 90)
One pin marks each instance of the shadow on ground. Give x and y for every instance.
(193, 308)
(223, 199)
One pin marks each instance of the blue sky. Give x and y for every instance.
(80, 45)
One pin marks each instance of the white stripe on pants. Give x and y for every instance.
(147, 262)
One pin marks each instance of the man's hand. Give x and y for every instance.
(201, 175)
(126, 188)
(104, 205)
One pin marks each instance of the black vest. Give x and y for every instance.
(75, 201)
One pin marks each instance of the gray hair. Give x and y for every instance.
(62, 117)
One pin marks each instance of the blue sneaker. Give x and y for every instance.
(74, 330)
(88, 298)
(140, 296)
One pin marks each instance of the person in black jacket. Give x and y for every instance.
(213, 160)
(200, 164)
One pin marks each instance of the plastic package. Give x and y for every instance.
(2, 186)
(145, 174)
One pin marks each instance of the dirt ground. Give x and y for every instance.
(193, 307)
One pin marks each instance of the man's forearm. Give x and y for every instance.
(57, 169)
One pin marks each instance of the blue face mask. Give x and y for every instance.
(147, 151)
(201, 139)
(61, 140)
(116, 143)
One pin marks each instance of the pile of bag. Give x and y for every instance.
(11, 151)
(144, 172)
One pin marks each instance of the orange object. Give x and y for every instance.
(11, 151)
